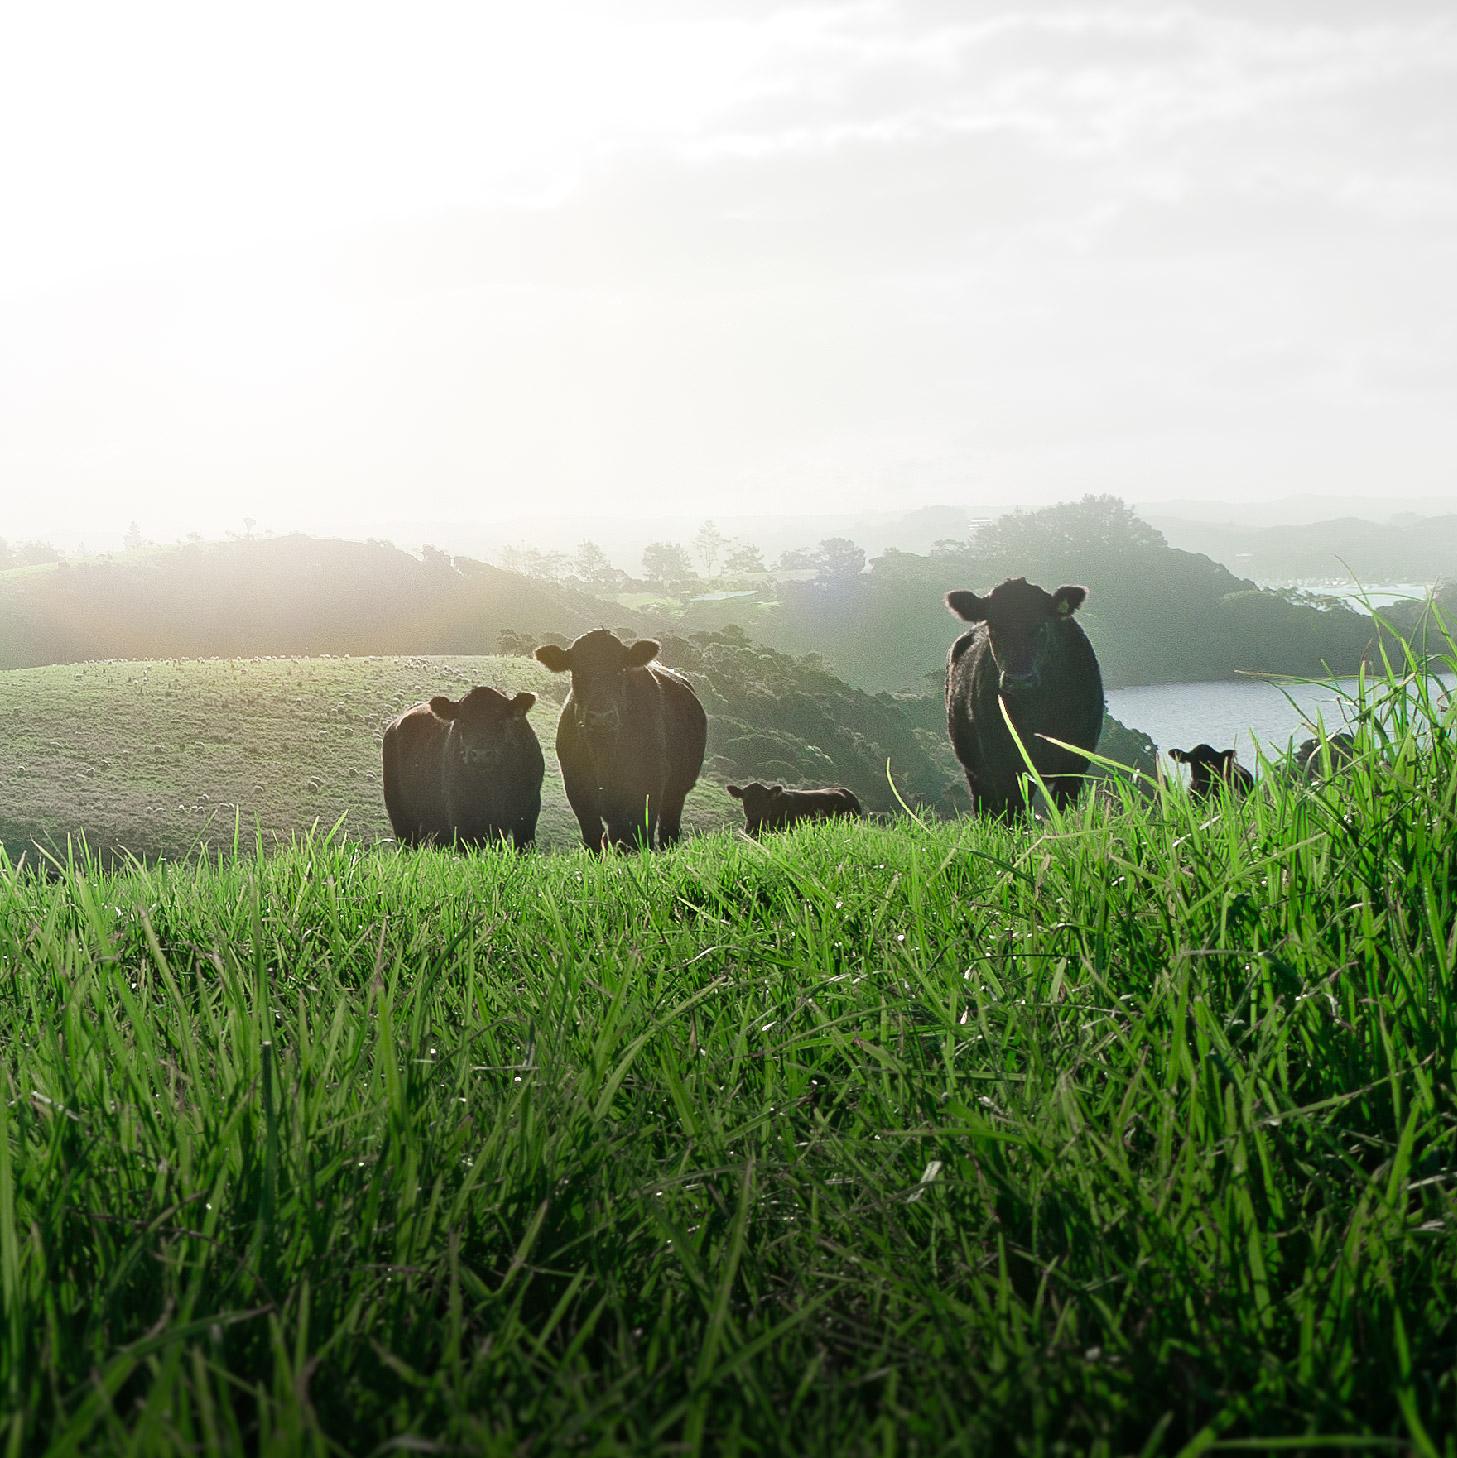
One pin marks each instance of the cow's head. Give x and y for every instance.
(1206, 765)
(479, 722)
(758, 800)
(1021, 625)
(599, 663)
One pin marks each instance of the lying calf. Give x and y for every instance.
(772, 807)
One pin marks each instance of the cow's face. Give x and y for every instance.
(599, 663)
(480, 721)
(758, 800)
(1021, 621)
(1206, 765)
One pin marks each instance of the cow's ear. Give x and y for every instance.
(442, 707)
(776, 790)
(1179, 756)
(522, 705)
(735, 791)
(641, 653)
(1227, 760)
(966, 605)
(559, 660)
(1067, 600)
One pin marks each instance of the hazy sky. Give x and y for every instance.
(317, 263)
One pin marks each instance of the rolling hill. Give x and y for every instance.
(284, 595)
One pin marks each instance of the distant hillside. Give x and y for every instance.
(1155, 614)
(1403, 549)
(292, 595)
(623, 536)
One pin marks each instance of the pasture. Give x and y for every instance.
(160, 756)
(1133, 1132)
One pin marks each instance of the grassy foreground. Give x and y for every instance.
(1132, 1134)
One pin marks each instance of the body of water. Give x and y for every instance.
(1233, 713)
(1364, 599)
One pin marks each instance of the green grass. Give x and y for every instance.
(161, 756)
(1134, 1133)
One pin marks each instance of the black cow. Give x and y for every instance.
(1209, 768)
(467, 772)
(1026, 652)
(1310, 760)
(772, 807)
(630, 740)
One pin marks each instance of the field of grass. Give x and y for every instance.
(1131, 1133)
(161, 756)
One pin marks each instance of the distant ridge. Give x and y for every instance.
(280, 595)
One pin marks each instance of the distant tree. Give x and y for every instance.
(592, 567)
(838, 558)
(553, 566)
(531, 562)
(34, 554)
(667, 565)
(796, 559)
(512, 557)
(1094, 524)
(709, 546)
(133, 538)
(743, 559)
(435, 559)
(512, 644)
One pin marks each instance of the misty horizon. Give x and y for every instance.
(804, 260)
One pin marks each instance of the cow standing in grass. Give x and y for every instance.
(1024, 651)
(1333, 750)
(466, 772)
(772, 807)
(1209, 768)
(630, 740)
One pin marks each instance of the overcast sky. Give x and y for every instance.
(322, 264)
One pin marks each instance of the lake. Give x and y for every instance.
(1232, 713)
(1366, 599)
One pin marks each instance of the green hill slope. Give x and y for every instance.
(159, 756)
(285, 595)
